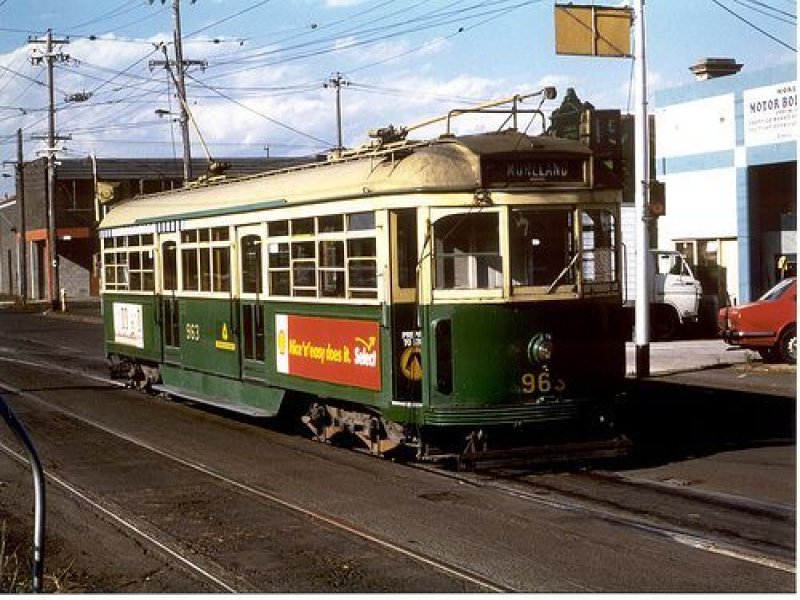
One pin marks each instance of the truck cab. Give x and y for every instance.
(674, 294)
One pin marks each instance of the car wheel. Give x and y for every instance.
(787, 345)
(664, 324)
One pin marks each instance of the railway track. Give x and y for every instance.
(202, 567)
(742, 528)
(694, 521)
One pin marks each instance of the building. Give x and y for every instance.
(726, 149)
(83, 187)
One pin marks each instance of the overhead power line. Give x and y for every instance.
(754, 26)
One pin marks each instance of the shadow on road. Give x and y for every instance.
(668, 421)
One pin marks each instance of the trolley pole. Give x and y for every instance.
(642, 175)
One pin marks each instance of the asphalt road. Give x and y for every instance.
(260, 510)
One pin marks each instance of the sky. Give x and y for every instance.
(259, 83)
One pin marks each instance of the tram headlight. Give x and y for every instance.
(540, 348)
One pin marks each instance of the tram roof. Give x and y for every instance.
(448, 163)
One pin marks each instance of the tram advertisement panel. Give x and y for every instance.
(340, 351)
(128, 324)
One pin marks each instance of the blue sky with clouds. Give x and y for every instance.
(268, 60)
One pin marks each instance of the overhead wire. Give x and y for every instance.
(754, 26)
(782, 16)
(261, 114)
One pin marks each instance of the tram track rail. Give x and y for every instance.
(590, 492)
(778, 557)
(212, 572)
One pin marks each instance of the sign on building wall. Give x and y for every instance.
(770, 114)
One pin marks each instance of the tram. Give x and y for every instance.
(440, 295)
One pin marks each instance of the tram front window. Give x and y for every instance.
(542, 247)
(468, 252)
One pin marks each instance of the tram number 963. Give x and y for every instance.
(541, 383)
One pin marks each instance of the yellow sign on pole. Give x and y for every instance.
(593, 30)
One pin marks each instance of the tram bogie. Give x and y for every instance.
(440, 296)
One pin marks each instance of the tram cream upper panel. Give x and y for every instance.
(445, 164)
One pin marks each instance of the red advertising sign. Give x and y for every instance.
(340, 351)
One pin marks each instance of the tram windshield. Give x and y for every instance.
(468, 252)
(542, 247)
(549, 248)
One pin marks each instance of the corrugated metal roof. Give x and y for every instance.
(120, 169)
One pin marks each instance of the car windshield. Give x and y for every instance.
(777, 291)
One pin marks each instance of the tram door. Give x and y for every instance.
(406, 333)
(251, 318)
(169, 310)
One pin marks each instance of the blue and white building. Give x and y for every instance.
(726, 148)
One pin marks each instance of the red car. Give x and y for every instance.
(768, 325)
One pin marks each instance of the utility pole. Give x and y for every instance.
(337, 81)
(23, 229)
(180, 84)
(50, 57)
(642, 181)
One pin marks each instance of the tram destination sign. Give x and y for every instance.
(516, 170)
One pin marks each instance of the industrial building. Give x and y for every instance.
(726, 150)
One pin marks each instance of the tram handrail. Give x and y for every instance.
(39, 494)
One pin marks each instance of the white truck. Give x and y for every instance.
(674, 293)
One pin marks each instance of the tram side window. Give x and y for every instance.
(598, 246)
(468, 252)
(169, 275)
(278, 266)
(406, 253)
(362, 268)
(205, 257)
(331, 269)
(304, 269)
(115, 261)
(251, 264)
(171, 305)
(129, 263)
(542, 247)
(329, 256)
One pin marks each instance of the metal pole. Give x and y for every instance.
(339, 111)
(22, 219)
(51, 177)
(38, 490)
(181, 85)
(642, 145)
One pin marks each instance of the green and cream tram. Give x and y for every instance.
(409, 293)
